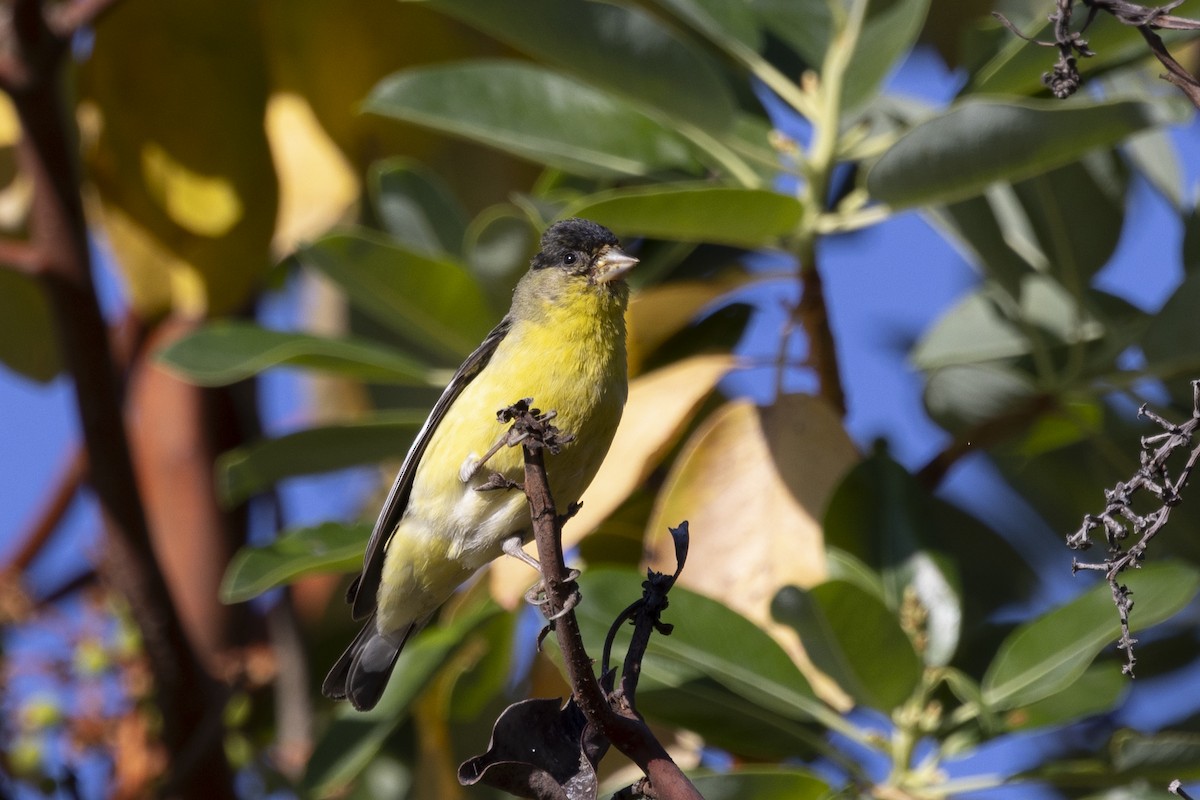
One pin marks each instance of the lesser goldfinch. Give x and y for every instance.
(563, 344)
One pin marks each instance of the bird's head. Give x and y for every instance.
(582, 248)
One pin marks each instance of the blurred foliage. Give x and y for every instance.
(440, 137)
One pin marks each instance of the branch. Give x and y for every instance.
(611, 714)
(1065, 79)
(1118, 520)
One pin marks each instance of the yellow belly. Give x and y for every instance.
(450, 529)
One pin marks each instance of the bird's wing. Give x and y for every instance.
(363, 590)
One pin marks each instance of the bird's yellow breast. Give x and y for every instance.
(569, 357)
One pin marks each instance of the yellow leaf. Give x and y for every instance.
(317, 185)
(753, 484)
(659, 312)
(660, 406)
(173, 99)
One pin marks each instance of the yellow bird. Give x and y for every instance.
(563, 344)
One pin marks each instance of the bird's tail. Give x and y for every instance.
(362, 672)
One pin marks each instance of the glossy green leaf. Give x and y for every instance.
(1171, 342)
(804, 25)
(889, 31)
(962, 397)
(726, 719)
(852, 637)
(730, 26)
(975, 143)
(1096, 692)
(761, 783)
(1191, 240)
(435, 303)
(1153, 155)
(354, 738)
(250, 469)
(1077, 238)
(328, 547)
(534, 113)
(990, 324)
(499, 243)
(222, 353)
(710, 640)
(1048, 654)
(28, 344)
(1162, 756)
(621, 49)
(881, 516)
(974, 226)
(695, 213)
(416, 207)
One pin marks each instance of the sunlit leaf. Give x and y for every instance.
(247, 470)
(227, 352)
(575, 127)
(694, 212)
(178, 154)
(743, 553)
(329, 547)
(978, 142)
(1048, 654)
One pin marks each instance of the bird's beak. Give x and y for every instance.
(611, 264)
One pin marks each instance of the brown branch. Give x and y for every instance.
(55, 505)
(813, 315)
(615, 717)
(58, 235)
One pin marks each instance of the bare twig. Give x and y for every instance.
(1119, 521)
(612, 713)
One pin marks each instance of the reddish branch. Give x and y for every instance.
(57, 254)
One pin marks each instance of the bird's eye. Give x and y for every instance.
(570, 258)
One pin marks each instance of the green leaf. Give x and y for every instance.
(1159, 756)
(729, 25)
(727, 720)
(498, 244)
(888, 33)
(28, 344)
(962, 397)
(694, 212)
(534, 113)
(417, 207)
(353, 739)
(1048, 654)
(222, 353)
(709, 640)
(328, 547)
(975, 143)
(852, 637)
(623, 50)
(250, 469)
(1170, 342)
(1077, 238)
(879, 514)
(1097, 691)
(761, 783)
(434, 303)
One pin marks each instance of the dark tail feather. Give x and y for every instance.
(362, 672)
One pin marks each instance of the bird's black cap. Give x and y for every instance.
(572, 235)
